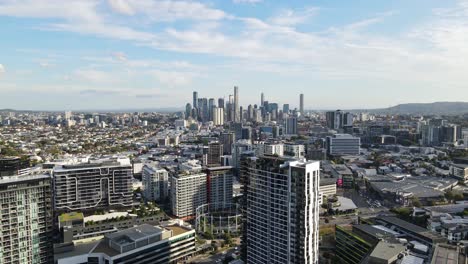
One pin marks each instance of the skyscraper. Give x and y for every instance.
(195, 100)
(188, 110)
(26, 219)
(290, 125)
(301, 104)
(236, 105)
(286, 108)
(280, 207)
(262, 99)
(221, 102)
(211, 104)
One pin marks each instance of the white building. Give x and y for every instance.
(218, 116)
(155, 183)
(294, 150)
(188, 191)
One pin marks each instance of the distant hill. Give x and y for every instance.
(426, 108)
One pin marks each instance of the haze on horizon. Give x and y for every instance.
(123, 54)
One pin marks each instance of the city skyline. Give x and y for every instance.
(121, 54)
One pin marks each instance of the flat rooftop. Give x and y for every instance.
(387, 251)
(445, 254)
(177, 230)
(133, 234)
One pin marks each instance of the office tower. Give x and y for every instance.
(250, 111)
(205, 109)
(155, 183)
(280, 207)
(26, 224)
(195, 100)
(257, 115)
(188, 111)
(301, 104)
(141, 244)
(10, 166)
(343, 144)
(221, 103)
(286, 108)
(290, 125)
(334, 119)
(230, 109)
(241, 114)
(211, 104)
(348, 119)
(227, 139)
(236, 105)
(237, 129)
(220, 186)
(188, 191)
(92, 186)
(214, 153)
(262, 99)
(247, 133)
(218, 116)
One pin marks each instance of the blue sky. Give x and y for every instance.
(117, 54)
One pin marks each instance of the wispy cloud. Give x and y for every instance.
(247, 1)
(2, 69)
(290, 17)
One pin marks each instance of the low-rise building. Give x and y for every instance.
(140, 244)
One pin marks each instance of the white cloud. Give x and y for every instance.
(165, 10)
(247, 1)
(96, 76)
(290, 17)
(121, 6)
(172, 78)
(2, 69)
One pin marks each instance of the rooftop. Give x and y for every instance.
(71, 217)
(445, 254)
(387, 251)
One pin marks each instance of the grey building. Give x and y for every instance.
(343, 144)
(280, 207)
(219, 186)
(26, 209)
(90, 186)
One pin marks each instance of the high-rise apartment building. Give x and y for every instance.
(280, 208)
(219, 186)
(90, 186)
(188, 191)
(155, 183)
(290, 126)
(227, 139)
(215, 151)
(27, 217)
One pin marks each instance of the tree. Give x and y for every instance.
(227, 239)
(416, 202)
(458, 197)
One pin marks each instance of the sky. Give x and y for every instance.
(131, 54)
